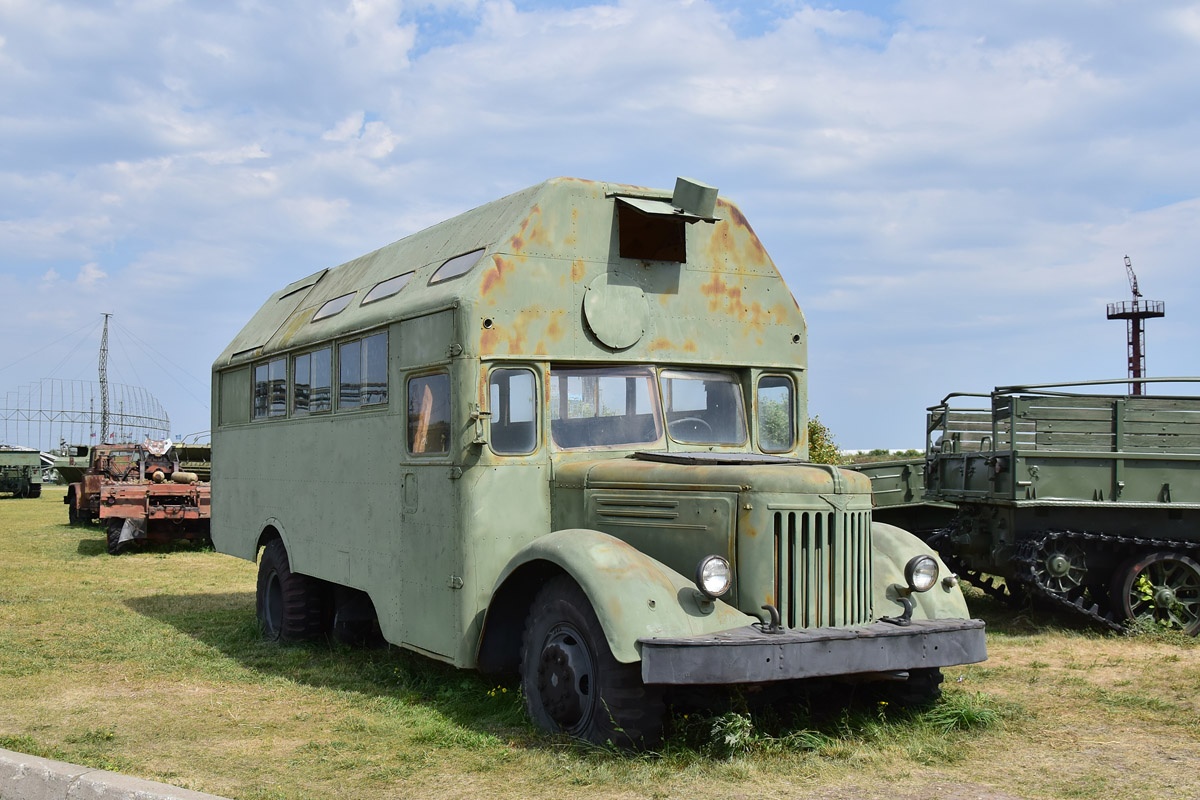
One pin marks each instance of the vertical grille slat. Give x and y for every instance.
(823, 568)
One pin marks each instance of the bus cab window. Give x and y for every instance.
(429, 414)
(776, 415)
(513, 405)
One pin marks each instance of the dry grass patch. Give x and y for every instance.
(152, 664)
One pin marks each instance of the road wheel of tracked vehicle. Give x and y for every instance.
(1062, 568)
(572, 682)
(290, 605)
(113, 534)
(922, 689)
(1161, 587)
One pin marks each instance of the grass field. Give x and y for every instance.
(151, 664)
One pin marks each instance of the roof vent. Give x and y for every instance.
(694, 197)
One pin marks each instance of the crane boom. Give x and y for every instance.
(1132, 278)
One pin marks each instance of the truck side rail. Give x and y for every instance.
(1035, 443)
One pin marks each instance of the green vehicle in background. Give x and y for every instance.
(563, 435)
(21, 471)
(1092, 505)
(1088, 501)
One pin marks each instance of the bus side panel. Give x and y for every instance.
(506, 508)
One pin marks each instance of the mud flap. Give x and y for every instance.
(132, 529)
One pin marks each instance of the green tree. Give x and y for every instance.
(822, 449)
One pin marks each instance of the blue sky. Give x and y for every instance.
(949, 188)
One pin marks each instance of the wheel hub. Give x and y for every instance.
(1164, 596)
(1058, 565)
(564, 678)
(1063, 569)
(556, 684)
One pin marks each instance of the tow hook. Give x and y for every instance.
(905, 619)
(773, 625)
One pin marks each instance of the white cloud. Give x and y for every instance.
(89, 275)
(948, 166)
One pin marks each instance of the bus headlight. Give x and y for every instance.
(713, 576)
(921, 573)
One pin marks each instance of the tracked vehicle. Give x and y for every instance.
(563, 435)
(1087, 501)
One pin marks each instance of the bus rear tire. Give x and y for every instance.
(571, 681)
(290, 606)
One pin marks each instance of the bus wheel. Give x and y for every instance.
(113, 534)
(290, 605)
(571, 681)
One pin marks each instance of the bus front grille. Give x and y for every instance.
(823, 568)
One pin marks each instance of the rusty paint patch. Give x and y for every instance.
(578, 270)
(689, 346)
(661, 343)
(554, 330)
(495, 275)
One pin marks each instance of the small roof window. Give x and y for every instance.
(459, 265)
(387, 288)
(334, 306)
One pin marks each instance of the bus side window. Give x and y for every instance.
(270, 389)
(429, 414)
(776, 414)
(513, 395)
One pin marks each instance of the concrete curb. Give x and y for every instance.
(25, 777)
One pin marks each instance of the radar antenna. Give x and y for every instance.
(104, 382)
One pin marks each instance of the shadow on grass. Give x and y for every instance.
(227, 622)
(92, 547)
(480, 707)
(99, 547)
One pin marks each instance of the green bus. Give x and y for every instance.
(563, 435)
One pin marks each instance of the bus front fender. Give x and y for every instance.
(634, 596)
(892, 548)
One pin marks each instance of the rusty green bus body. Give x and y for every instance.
(21, 472)
(452, 526)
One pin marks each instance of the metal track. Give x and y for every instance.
(1030, 549)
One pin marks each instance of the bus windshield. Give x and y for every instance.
(703, 407)
(604, 407)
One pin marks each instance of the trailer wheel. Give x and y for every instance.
(290, 605)
(571, 681)
(113, 534)
(1162, 587)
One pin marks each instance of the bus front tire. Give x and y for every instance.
(290, 606)
(571, 681)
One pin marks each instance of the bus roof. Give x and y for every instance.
(568, 269)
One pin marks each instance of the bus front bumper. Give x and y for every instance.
(751, 655)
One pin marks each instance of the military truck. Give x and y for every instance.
(162, 503)
(898, 496)
(21, 471)
(140, 493)
(563, 435)
(1087, 501)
